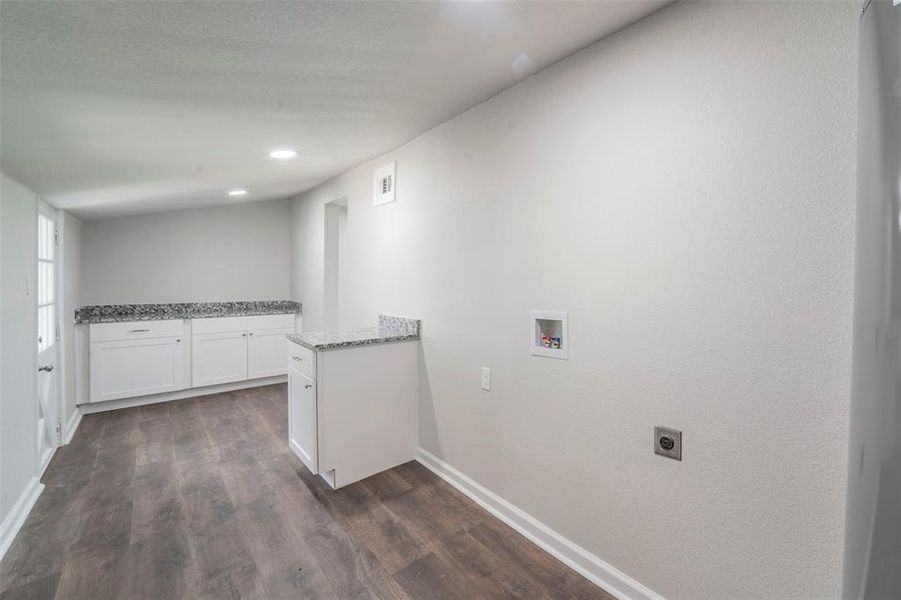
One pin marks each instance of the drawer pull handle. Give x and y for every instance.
(297, 358)
(307, 386)
(138, 330)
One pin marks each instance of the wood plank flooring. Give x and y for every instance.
(202, 498)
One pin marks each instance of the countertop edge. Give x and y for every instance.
(391, 329)
(352, 344)
(168, 311)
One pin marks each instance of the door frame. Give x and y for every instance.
(334, 238)
(67, 422)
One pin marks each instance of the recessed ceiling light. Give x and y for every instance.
(237, 192)
(285, 153)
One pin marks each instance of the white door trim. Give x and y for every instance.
(65, 332)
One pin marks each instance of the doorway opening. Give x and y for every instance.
(335, 235)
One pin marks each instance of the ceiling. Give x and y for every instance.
(110, 109)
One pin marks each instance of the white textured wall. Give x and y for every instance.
(239, 252)
(685, 189)
(18, 363)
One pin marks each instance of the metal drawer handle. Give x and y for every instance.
(297, 358)
(138, 330)
(308, 386)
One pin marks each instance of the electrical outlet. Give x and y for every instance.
(668, 442)
(486, 379)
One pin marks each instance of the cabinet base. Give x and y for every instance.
(96, 407)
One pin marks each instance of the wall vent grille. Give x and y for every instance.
(384, 179)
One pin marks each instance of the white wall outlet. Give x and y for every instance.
(383, 185)
(486, 379)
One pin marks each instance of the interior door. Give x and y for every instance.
(47, 335)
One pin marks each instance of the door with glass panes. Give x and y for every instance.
(47, 334)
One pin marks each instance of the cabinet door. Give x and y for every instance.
(303, 430)
(266, 353)
(127, 368)
(219, 358)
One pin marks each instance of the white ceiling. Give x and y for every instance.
(108, 109)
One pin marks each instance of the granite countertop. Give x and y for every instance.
(390, 330)
(114, 313)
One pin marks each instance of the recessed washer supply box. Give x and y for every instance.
(549, 334)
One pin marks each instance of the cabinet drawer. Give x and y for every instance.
(135, 330)
(302, 359)
(251, 323)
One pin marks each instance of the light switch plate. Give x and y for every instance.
(486, 379)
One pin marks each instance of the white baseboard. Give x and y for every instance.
(566, 551)
(179, 395)
(43, 464)
(18, 513)
(71, 426)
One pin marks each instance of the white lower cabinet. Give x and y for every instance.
(153, 357)
(218, 358)
(303, 426)
(266, 352)
(229, 349)
(353, 411)
(131, 364)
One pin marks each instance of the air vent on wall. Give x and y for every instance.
(384, 180)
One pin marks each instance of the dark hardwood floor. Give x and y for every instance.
(202, 498)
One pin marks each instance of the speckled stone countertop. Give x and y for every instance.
(114, 313)
(390, 330)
